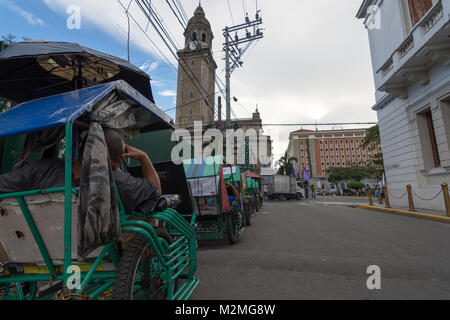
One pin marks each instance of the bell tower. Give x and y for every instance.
(196, 74)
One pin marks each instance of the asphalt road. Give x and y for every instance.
(321, 250)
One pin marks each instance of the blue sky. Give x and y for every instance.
(33, 19)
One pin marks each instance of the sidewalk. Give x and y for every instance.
(419, 213)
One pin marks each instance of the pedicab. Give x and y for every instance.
(232, 175)
(252, 190)
(112, 253)
(217, 217)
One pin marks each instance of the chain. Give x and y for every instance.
(399, 197)
(427, 199)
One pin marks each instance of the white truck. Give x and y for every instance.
(283, 187)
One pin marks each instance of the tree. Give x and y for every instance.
(285, 164)
(355, 185)
(373, 142)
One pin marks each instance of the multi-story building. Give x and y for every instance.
(410, 48)
(196, 74)
(319, 151)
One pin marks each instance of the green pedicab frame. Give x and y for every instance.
(178, 259)
(211, 227)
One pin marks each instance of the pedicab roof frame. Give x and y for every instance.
(65, 108)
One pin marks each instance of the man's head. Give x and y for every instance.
(116, 146)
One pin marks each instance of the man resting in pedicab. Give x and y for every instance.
(137, 194)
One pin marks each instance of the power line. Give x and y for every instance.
(217, 79)
(149, 14)
(316, 124)
(231, 14)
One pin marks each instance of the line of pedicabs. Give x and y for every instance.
(132, 256)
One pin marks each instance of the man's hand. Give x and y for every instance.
(134, 153)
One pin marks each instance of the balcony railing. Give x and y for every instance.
(432, 17)
(389, 78)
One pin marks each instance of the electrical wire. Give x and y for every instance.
(149, 14)
(231, 14)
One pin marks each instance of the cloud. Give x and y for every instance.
(148, 66)
(30, 17)
(168, 93)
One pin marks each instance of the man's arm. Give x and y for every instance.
(148, 171)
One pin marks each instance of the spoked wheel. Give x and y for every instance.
(256, 205)
(139, 274)
(234, 222)
(247, 214)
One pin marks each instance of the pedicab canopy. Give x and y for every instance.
(118, 105)
(232, 173)
(206, 178)
(115, 105)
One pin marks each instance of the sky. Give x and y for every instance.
(313, 64)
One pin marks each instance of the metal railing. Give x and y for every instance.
(410, 194)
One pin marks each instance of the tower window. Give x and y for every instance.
(192, 62)
(194, 36)
(204, 37)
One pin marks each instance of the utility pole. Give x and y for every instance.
(227, 79)
(233, 53)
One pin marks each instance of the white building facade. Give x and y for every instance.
(410, 48)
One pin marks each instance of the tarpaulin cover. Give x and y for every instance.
(232, 174)
(205, 167)
(67, 107)
(23, 78)
(208, 169)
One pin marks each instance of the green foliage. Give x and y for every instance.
(285, 164)
(355, 173)
(372, 142)
(355, 185)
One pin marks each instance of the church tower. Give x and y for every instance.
(196, 74)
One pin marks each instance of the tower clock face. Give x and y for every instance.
(192, 45)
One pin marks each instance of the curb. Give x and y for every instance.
(407, 213)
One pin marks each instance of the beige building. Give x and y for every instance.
(319, 151)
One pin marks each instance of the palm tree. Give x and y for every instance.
(285, 164)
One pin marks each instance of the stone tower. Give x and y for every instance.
(196, 74)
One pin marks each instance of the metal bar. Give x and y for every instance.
(68, 202)
(48, 277)
(94, 267)
(101, 289)
(314, 124)
(147, 227)
(34, 192)
(36, 235)
(19, 291)
(150, 240)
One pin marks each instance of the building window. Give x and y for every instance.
(427, 136)
(192, 62)
(418, 8)
(194, 36)
(204, 37)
